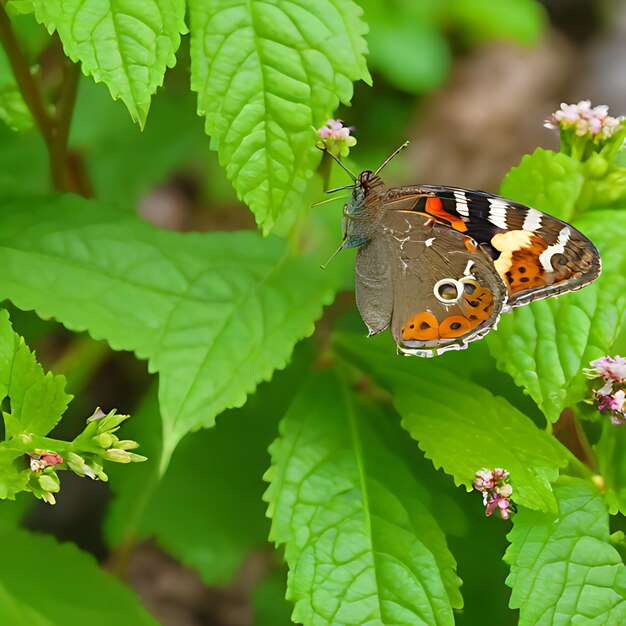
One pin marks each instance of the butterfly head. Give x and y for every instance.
(364, 210)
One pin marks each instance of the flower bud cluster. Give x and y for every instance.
(594, 122)
(496, 491)
(336, 138)
(100, 440)
(84, 456)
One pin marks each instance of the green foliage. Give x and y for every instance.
(412, 37)
(13, 109)
(15, 150)
(359, 540)
(127, 44)
(462, 427)
(220, 530)
(124, 164)
(610, 452)
(37, 402)
(270, 606)
(261, 92)
(409, 41)
(563, 569)
(215, 314)
(520, 20)
(367, 521)
(45, 583)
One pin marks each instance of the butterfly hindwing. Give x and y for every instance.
(435, 291)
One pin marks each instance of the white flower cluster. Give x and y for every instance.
(587, 120)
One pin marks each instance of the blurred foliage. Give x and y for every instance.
(410, 40)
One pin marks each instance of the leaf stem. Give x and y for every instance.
(53, 128)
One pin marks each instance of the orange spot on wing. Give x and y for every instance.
(478, 305)
(455, 326)
(434, 207)
(421, 327)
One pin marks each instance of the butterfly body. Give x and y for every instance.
(438, 265)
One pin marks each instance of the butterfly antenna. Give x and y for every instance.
(329, 200)
(390, 157)
(339, 188)
(344, 167)
(334, 254)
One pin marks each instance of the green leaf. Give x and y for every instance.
(45, 583)
(265, 72)
(220, 530)
(522, 21)
(12, 479)
(547, 181)
(361, 545)
(461, 426)
(610, 451)
(13, 110)
(215, 314)
(545, 345)
(563, 569)
(38, 400)
(127, 44)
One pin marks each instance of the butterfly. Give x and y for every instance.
(439, 265)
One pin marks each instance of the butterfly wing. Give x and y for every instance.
(434, 288)
(535, 254)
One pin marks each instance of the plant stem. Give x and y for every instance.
(119, 558)
(590, 456)
(53, 129)
(65, 106)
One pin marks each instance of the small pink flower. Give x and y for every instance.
(496, 491)
(609, 368)
(325, 132)
(336, 138)
(611, 397)
(617, 419)
(584, 119)
(334, 129)
(616, 401)
(40, 459)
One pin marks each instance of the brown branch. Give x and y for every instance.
(75, 178)
(65, 105)
(25, 81)
(53, 128)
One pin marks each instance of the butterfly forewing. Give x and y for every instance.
(536, 255)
